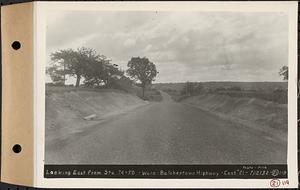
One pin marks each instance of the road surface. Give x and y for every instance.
(167, 132)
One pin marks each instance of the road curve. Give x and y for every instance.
(167, 132)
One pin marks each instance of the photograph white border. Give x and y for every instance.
(40, 11)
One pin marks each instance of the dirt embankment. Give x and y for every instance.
(70, 110)
(253, 112)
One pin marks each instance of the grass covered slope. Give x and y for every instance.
(66, 108)
(257, 113)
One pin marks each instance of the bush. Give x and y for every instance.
(124, 83)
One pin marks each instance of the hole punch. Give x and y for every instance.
(17, 148)
(16, 45)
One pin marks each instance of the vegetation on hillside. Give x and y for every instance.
(93, 70)
(270, 91)
(83, 64)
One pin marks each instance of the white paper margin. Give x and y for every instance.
(40, 11)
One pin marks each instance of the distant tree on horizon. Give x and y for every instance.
(142, 70)
(284, 72)
(192, 88)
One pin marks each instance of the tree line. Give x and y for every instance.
(196, 88)
(95, 70)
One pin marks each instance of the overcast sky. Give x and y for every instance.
(185, 46)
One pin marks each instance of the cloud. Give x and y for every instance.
(194, 46)
(130, 42)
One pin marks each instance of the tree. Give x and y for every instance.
(192, 88)
(94, 72)
(284, 71)
(74, 63)
(85, 57)
(111, 72)
(142, 70)
(56, 74)
(189, 88)
(83, 63)
(101, 71)
(59, 66)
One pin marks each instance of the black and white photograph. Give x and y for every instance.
(166, 87)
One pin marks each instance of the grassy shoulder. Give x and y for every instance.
(253, 111)
(264, 109)
(70, 109)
